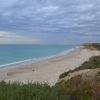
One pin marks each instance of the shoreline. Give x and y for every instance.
(34, 60)
(49, 70)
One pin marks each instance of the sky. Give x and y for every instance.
(49, 21)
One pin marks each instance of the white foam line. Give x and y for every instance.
(15, 63)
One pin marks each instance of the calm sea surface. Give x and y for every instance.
(14, 55)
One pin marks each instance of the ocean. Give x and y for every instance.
(13, 55)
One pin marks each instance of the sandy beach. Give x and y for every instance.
(49, 70)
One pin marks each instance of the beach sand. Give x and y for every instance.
(49, 70)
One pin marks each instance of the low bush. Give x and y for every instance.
(30, 91)
(98, 74)
(81, 89)
(65, 74)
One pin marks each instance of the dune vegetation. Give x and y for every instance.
(29, 91)
(78, 88)
(92, 46)
(93, 63)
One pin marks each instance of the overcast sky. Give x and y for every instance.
(49, 21)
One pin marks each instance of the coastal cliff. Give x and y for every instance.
(91, 46)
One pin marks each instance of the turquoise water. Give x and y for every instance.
(14, 55)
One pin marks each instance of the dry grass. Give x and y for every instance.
(81, 89)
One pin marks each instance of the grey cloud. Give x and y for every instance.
(79, 17)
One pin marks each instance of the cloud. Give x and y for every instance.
(41, 19)
(9, 38)
(48, 9)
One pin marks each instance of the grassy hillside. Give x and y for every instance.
(75, 88)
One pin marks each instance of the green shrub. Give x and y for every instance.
(30, 91)
(98, 74)
(65, 74)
